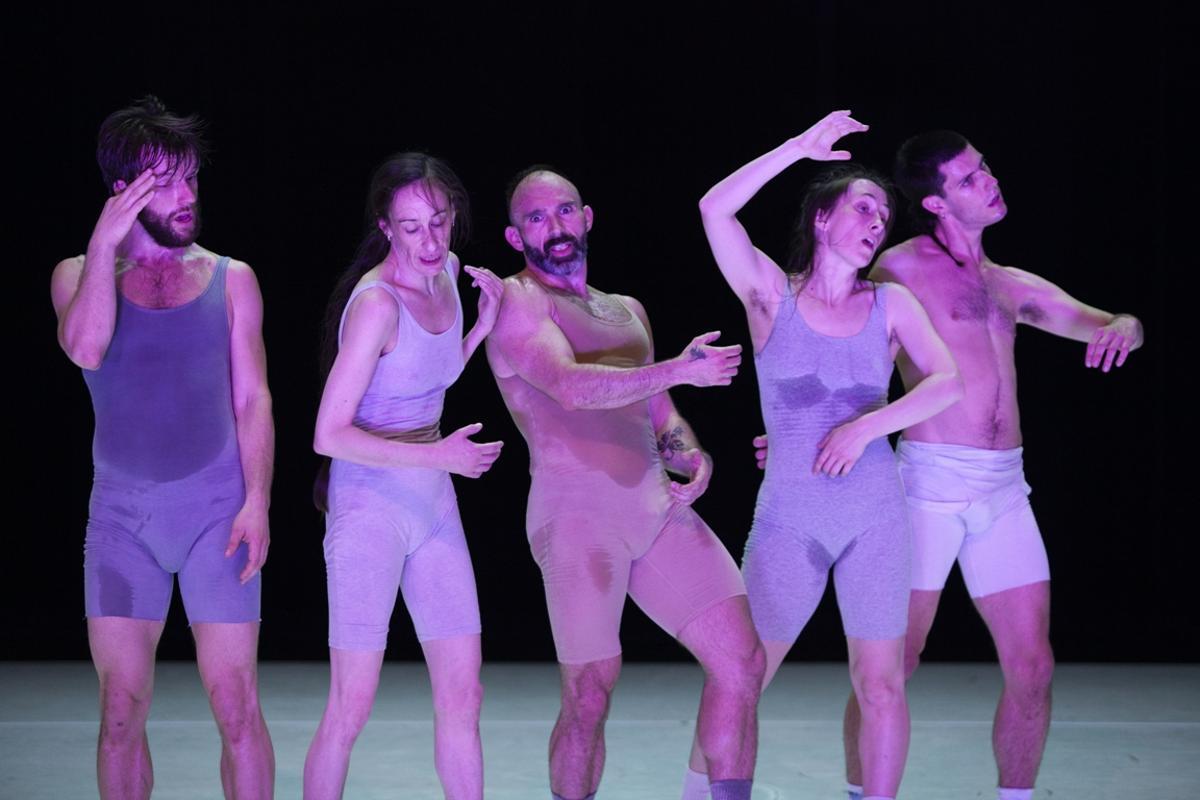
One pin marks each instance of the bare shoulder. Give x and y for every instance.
(1020, 277)
(899, 262)
(523, 293)
(455, 264)
(64, 281)
(375, 303)
(633, 304)
(239, 277)
(898, 295)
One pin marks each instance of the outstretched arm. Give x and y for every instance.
(529, 342)
(85, 295)
(749, 272)
(252, 414)
(369, 326)
(1043, 305)
(940, 387)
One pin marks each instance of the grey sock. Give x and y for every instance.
(731, 789)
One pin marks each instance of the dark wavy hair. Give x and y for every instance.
(821, 196)
(145, 134)
(398, 171)
(918, 171)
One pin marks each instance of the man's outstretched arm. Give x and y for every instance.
(532, 345)
(1110, 337)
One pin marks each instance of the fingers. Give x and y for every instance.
(705, 338)
(469, 430)
(839, 155)
(1124, 355)
(235, 538)
(760, 440)
(255, 558)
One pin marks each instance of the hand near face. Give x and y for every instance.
(698, 465)
(120, 211)
(817, 142)
(491, 289)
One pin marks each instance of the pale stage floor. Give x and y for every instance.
(1119, 731)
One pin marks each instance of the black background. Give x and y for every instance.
(644, 109)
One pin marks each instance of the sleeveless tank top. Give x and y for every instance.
(162, 396)
(810, 383)
(409, 386)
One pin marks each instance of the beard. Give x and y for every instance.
(161, 228)
(546, 262)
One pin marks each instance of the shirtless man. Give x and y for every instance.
(576, 368)
(169, 337)
(962, 471)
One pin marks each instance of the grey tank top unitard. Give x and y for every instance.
(162, 396)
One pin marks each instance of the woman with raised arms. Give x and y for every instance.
(824, 341)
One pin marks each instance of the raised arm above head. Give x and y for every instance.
(748, 270)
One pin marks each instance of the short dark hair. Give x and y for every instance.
(821, 196)
(919, 170)
(144, 134)
(510, 188)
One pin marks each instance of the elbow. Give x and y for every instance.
(81, 353)
(709, 205)
(323, 442)
(957, 389)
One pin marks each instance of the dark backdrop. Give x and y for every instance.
(645, 110)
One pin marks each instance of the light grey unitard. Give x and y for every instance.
(398, 527)
(809, 384)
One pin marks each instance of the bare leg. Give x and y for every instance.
(723, 640)
(877, 674)
(457, 695)
(775, 652)
(577, 742)
(354, 679)
(227, 654)
(1019, 620)
(922, 608)
(123, 652)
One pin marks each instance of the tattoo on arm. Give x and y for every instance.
(671, 442)
(695, 354)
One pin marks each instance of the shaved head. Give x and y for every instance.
(539, 174)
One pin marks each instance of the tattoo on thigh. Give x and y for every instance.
(671, 442)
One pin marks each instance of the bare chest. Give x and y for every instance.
(966, 307)
(167, 287)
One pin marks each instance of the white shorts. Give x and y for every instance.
(972, 505)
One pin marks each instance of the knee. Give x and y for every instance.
(586, 700)
(743, 671)
(234, 701)
(123, 712)
(879, 691)
(1030, 671)
(459, 701)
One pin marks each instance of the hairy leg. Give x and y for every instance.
(725, 643)
(227, 654)
(123, 652)
(1019, 620)
(577, 742)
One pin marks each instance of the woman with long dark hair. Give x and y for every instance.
(824, 343)
(392, 523)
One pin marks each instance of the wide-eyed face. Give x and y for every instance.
(418, 225)
(172, 217)
(856, 226)
(970, 193)
(549, 224)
